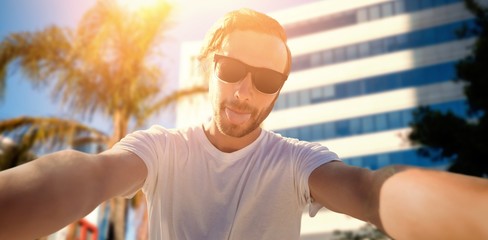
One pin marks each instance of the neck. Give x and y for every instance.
(226, 143)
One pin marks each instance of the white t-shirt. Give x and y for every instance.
(195, 191)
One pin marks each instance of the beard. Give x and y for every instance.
(240, 130)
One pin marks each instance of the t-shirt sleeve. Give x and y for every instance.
(148, 145)
(311, 156)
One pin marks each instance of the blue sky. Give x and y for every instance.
(25, 15)
(191, 19)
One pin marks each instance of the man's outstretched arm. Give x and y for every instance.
(406, 202)
(42, 196)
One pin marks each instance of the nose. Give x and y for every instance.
(244, 88)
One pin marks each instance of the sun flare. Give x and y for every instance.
(135, 5)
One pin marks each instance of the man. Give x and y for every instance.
(230, 179)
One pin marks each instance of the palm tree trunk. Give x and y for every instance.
(118, 215)
(142, 230)
(121, 123)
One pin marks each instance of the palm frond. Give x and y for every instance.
(172, 98)
(13, 154)
(50, 132)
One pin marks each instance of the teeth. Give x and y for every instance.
(237, 118)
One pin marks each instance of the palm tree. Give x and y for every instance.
(26, 135)
(13, 154)
(106, 65)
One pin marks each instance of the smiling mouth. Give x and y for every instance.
(237, 117)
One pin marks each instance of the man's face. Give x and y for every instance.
(239, 108)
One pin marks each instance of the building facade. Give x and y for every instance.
(361, 67)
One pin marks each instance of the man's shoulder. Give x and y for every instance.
(278, 138)
(159, 129)
(292, 142)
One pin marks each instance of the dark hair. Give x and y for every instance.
(242, 19)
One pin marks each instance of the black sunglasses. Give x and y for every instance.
(231, 70)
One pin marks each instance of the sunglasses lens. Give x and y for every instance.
(267, 81)
(230, 71)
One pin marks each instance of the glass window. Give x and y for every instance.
(423, 75)
(303, 98)
(329, 130)
(381, 10)
(412, 5)
(327, 57)
(383, 160)
(461, 108)
(285, 100)
(370, 162)
(406, 117)
(409, 157)
(449, 32)
(362, 15)
(353, 88)
(381, 123)
(399, 157)
(390, 44)
(364, 49)
(367, 124)
(315, 59)
(316, 94)
(429, 37)
(394, 120)
(401, 42)
(395, 81)
(387, 9)
(379, 46)
(416, 77)
(347, 18)
(369, 85)
(305, 133)
(426, 4)
(399, 7)
(317, 132)
(450, 72)
(300, 62)
(339, 54)
(341, 90)
(292, 100)
(362, 87)
(438, 2)
(381, 84)
(374, 12)
(355, 161)
(384, 45)
(351, 52)
(355, 126)
(342, 128)
(292, 132)
(329, 91)
(414, 39)
(281, 132)
(443, 2)
(280, 103)
(375, 47)
(440, 107)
